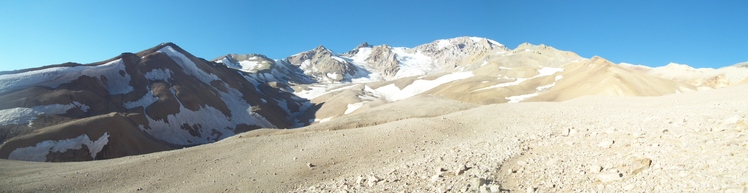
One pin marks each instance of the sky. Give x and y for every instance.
(36, 33)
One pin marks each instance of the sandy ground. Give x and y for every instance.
(685, 142)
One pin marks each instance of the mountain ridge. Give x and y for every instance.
(176, 99)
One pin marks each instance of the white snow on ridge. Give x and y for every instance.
(39, 151)
(339, 59)
(393, 93)
(159, 74)
(146, 101)
(353, 107)
(476, 39)
(363, 71)
(545, 71)
(516, 99)
(415, 64)
(53, 77)
(323, 120)
(319, 90)
(249, 66)
(361, 56)
(187, 64)
(540, 89)
(213, 124)
(442, 43)
(22, 115)
(334, 76)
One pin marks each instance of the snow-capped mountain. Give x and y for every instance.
(164, 98)
(703, 78)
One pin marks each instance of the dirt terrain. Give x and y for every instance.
(692, 141)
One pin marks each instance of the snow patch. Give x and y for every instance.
(247, 65)
(334, 76)
(339, 59)
(21, 115)
(352, 107)
(413, 64)
(442, 43)
(540, 89)
(476, 39)
(393, 93)
(146, 101)
(321, 89)
(545, 71)
(323, 120)
(516, 99)
(39, 151)
(188, 66)
(159, 74)
(115, 83)
(209, 122)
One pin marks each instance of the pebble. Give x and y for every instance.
(477, 182)
(435, 178)
(609, 176)
(629, 187)
(640, 165)
(373, 180)
(606, 143)
(460, 169)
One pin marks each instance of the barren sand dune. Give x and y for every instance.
(682, 142)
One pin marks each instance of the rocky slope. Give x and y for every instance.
(682, 142)
(164, 95)
(174, 99)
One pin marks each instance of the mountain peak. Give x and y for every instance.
(357, 48)
(322, 49)
(363, 45)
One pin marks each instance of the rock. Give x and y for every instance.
(372, 180)
(495, 188)
(476, 182)
(629, 187)
(435, 178)
(606, 143)
(484, 189)
(609, 176)
(310, 165)
(360, 180)
(736, 123)
(530, 189)
(640, 165)
(439, 170)
(441, 189)
(460, 169)
(566, 132)
(572, 131)
(595, 168)
(511, 170)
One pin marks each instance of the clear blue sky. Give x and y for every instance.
(653, 33)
